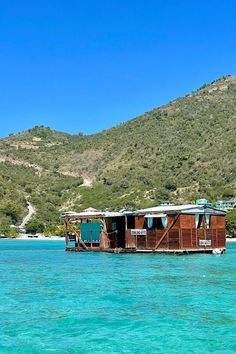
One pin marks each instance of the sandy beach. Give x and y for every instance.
(40, 237)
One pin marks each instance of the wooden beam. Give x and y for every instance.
(166, 232)
(81, 242)
(65, 232)
(104, 241)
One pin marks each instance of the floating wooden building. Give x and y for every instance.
(170, 228)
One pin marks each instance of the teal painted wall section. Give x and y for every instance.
(88, 228)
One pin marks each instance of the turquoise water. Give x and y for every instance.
(57, 302)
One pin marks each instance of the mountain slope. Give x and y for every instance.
(180, 151)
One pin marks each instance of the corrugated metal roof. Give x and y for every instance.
(167, 209)
(109, 214)
(153, 215)
(184, 209)
(93, 214)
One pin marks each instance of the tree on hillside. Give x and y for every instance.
(231, 221)
(34, 226)
(10, 209)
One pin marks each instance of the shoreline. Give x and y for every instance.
(230, 239)
(40, 238)
(37, 238)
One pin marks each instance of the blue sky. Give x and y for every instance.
(85, 66)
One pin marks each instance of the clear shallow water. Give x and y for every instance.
(57, 302)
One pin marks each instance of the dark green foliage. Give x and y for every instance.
(35, 226)
(231, 221)
(228, 193)
(171, 186)
(10, 209)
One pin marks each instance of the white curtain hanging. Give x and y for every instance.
(150, 222)
(164, 221)
(196, 220)
(207, 220)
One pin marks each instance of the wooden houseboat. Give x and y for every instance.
(171, 229)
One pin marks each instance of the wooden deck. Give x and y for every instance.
(158, 251)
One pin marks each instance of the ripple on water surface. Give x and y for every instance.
(52, 301)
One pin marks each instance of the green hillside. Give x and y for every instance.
(178, 152)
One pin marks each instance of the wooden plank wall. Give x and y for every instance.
(130, 241)
(139, 222)
(174, 239)
(151, 239)
(187, 221)
(183, 234)
(188, 238)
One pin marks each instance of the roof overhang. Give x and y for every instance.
(155, 212)
(181, 209)
(92, 215)
(160, 215)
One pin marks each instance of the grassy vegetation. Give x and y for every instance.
(178, 152)
(231, 222)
